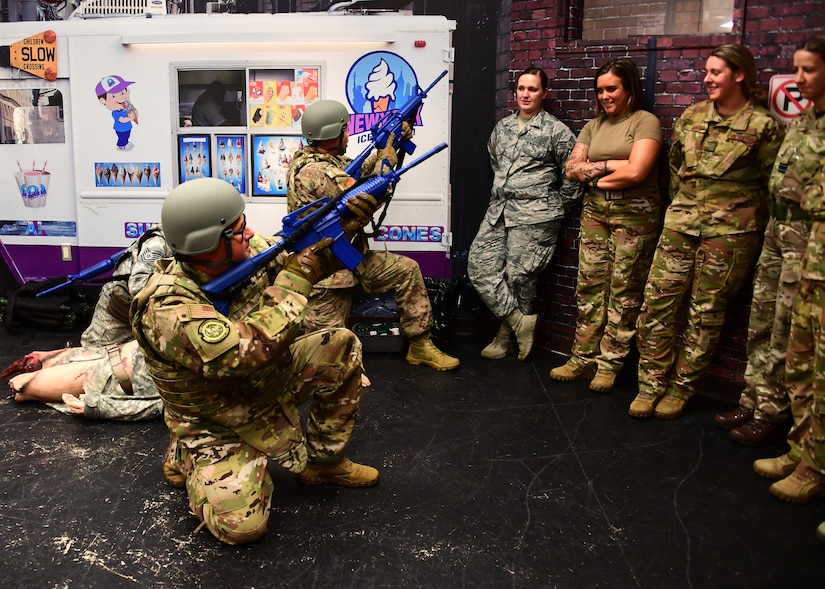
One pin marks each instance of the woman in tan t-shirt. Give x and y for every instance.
(615, 156)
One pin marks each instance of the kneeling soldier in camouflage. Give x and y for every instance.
(232, 384)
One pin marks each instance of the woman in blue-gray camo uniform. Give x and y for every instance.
(529, 198)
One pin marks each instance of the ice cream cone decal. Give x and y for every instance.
(130, 109)
(381, 87)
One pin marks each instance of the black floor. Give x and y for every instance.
(491, 476)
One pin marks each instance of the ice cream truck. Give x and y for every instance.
(102, 115)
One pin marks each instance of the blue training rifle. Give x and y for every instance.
(392, 123)
(306, 226)
(87, 273)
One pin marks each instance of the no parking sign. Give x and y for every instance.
(785, 99)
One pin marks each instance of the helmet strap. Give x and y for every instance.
(227, 241)
(340, 145)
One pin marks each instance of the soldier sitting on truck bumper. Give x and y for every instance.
(318, 170)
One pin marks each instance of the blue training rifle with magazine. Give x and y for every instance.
(309, 224)
(392, 123)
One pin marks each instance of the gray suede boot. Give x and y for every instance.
(502, 343)
(524, 328)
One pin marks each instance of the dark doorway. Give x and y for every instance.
(474, 111)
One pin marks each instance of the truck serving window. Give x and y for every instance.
(262, 107)
(32, 115)
(212, 98)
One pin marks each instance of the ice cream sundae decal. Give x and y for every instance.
(33, 185)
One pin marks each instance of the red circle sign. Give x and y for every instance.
(786, 100)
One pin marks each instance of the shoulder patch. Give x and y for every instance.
(203, 311)
(213, 331)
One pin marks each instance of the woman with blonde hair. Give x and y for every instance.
(721, 156)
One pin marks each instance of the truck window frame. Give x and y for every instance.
(270, 99)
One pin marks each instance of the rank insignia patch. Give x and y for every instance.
(213, 331)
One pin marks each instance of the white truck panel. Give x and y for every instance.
(110, 195)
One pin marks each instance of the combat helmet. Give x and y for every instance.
(197, 213)
(325, 119)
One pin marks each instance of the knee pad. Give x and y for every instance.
(236, 526)
(239, 514)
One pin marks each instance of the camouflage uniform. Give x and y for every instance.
(108, 394)
(313, 175)
(232, 386)
(805, 371)
(110, 321)
(778, 269)
(619, 229)
(529, 198)
(712, 235)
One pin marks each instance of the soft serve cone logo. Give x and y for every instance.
(377, 83)
(381, 87)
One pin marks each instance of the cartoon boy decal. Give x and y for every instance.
(113, 93)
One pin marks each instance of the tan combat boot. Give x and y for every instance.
(803, 485)
(775, 468)
(642, 406)
(603, 382)
(172, 468)
(524, 328)
(502, 343)
(423, 351)
(571, 370)
(670, 407)
(344, 473)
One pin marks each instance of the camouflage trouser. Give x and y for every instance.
(104, 328)
(615, 251)
(805, 374)
(709, 271)
(378, 273)
(99, 377)
(106, 398)
(104, 394)
(774, 288)
(225, 458)
(504, 263)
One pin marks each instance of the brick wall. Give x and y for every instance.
(549, 33)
